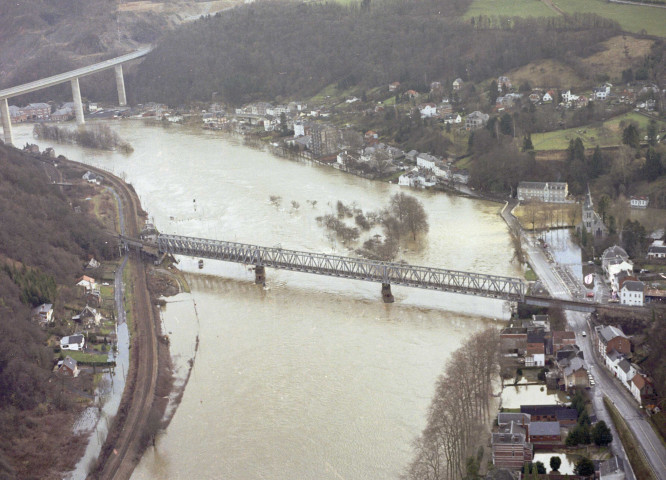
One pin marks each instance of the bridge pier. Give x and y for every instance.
(120, 84)
(387, 296)
(78, 105)
(6, 122)
(260, 275)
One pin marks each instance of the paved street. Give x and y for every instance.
(605, 384)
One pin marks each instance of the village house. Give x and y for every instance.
(612, 469)
(72, 342)
(611, 338)
(514, 339)
(16, 115)
(460, 176)
(452, 118)
(476, 120)
(412, 94)
(544, 432)
(428, 110)
(91, 177)
(632, 292)
(562, 339)
(92, 264)
(511, 449)
(88, 283)
(457, 84)
(602, 92)
(568, 97)
(613, 261)
(504, 419)
(641, 387)
(503, 84)
(36, 111)
(393, 87)
(536, 352)
(88, 317)
(548, 96)
(657, 249)
(622, 368)
(551, 413)
(640, 201)
(549, 192)
(43, 314)
(573, 373)
(68, 367)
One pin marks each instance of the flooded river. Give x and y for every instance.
(310, 377)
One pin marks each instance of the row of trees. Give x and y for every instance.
(460, 408)
(96, 136)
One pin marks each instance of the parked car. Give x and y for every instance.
(584, 333)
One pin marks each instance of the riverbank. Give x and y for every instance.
(148, 379)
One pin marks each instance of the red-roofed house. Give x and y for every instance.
(641, 386)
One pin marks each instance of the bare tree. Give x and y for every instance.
(410, 214)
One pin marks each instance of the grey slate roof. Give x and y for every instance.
(505, 418)
(70, 363)
(561, 412)
(609, 332)
(574, 365)
(625, 365)
(610, 466)
(544, 428)
(634, 286)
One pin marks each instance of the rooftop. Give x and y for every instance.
(544, 428)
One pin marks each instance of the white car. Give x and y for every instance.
(584, 334)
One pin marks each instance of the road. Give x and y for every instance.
(606, 385)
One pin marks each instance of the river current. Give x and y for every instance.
(311, 376)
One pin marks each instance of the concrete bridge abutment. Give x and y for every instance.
(260, 275)
(387, 296)
(78, 104)
(6, 122)
(120, 84)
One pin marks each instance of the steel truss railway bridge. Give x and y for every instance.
(491, 286)
(386, 273)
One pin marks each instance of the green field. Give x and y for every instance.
(606, 135)
(632, 18)
(517, 8)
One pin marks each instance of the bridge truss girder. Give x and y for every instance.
(491, 286)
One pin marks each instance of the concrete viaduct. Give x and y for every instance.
(72, 77)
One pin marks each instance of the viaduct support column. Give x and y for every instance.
(260, 275)
(120, 83)
(78, 105)
(6, 122)
(387, 296)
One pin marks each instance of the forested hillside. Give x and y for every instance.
(39, 38)
(268, 50)
(42, 243)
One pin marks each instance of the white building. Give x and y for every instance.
(657, 249)
(632, 293)
(550, 192)
(639, 202)
(73, 342)
(428, 110)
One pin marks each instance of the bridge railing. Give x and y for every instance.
(492, 286)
